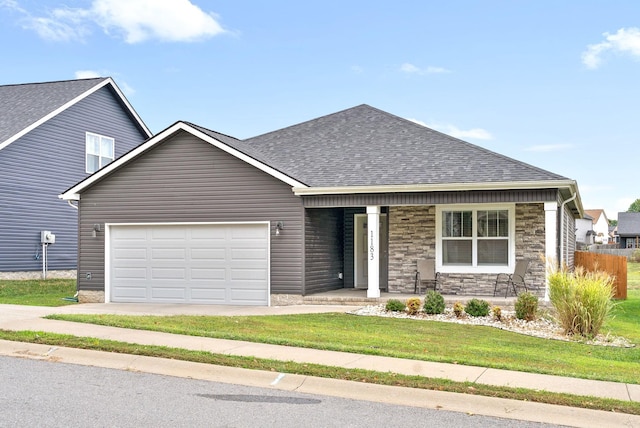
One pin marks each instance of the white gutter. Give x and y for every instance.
(506, 185)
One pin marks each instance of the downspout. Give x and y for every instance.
(562, 232)
(70, 202)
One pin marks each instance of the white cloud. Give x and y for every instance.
(167, 20)
(412, 69)
(135, 21)
(86, 74)
(357, 69)
(625, 41)
(544, 148)
(470, 134)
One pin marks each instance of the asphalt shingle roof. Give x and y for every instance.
(628, 224)
(364, 146)
(24, 104)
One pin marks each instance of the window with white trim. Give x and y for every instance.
(100, 151)
(478, 238)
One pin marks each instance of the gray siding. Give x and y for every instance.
(323, 250)
(42, 164)
(430, 198)
(187, 180)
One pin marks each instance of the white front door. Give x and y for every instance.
(361, 251)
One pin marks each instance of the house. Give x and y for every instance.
(629, 229)
(584, 230)
(52, 135)
(600, 225)
(349, 200)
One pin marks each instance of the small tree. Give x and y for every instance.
(634, 207)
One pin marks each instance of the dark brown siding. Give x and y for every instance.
(185, 179)
(430, 198)
(323, 250)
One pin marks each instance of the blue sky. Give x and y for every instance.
(552, 83)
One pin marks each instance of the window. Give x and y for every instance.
(100, 151)
(475, 239)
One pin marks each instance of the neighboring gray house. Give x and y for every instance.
(352, 199)
(52, 135)
(629, 229)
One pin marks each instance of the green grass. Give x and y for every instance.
(48, 292)
(357, 375)
(402, 338)
(633, 276)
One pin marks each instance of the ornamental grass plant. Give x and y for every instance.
(582, 300)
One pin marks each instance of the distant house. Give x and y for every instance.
(584, 230)
(600, 225)
(52, 135)
(629, 229)
(349, 200)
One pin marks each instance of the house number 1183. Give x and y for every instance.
(372, 249)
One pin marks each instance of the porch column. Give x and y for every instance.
(551, 241)
(373, 251)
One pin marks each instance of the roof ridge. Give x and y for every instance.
(55, 81)
(307, 121)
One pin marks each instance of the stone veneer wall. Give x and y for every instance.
(412, 237)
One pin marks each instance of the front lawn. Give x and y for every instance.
(49, 292)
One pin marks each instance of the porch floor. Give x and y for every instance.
(358, 297)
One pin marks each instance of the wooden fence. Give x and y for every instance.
(615, 266)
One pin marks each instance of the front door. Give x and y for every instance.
(361, 253)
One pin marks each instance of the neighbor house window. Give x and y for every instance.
(99, 151)
(475, 239)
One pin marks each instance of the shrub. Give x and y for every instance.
(635, 257)
(395, 305)
(458, 309)
(497, 313)
(413, 305)
(526, 306)
(581, 299)
(477, 308)
(433, 303)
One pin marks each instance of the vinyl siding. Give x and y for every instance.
(185, 179)
(324, 250)
(42, 164)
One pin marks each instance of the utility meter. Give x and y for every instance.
(46, 237)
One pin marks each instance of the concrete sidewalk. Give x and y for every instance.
(14, 317)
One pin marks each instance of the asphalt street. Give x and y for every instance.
(52, 394)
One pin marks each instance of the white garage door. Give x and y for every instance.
(205, 264)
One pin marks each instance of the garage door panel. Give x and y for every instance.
(214, 264)
(168, 294)
(208, 274)
(208, 254)
(137, 294)
(128, 274)
(130, 254)
(168, 273)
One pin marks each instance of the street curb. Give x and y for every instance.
(469, 404)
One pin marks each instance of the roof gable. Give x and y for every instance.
(26, 106)
(364, 146)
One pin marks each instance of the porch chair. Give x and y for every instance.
(426, 273)
(515, 279)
